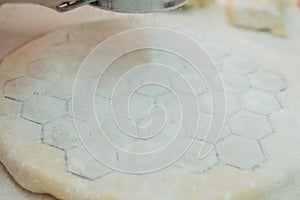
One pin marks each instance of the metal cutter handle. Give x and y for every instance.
(124, 6)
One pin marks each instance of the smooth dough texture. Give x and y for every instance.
(257, 156)
(10, 190)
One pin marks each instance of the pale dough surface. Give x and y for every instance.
(270, 141)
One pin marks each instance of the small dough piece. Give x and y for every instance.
(261, 15)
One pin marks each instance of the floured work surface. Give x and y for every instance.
(257, 156)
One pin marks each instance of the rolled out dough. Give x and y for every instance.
(257, 156)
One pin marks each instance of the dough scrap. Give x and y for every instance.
(261, 15)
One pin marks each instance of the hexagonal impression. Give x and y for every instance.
(43, 109)
(170, 104)
(103, 108)
(109, 85)
(191, 162)
(10, 108)
(61, 86)
(198, 85)
(240, 152)
(152, 90)
(215, 50)
(129, 61)
(153, 125)
(238, 64)
(232, 104)
(156, 138)
(23, 88)
(81, 163)
(169, 59)
(259, 101)
(205, 131)
(206, 104)
(132, 107)
(118, 134)
(234, 83)
(267, 81)
(61, 133)
(250, 125)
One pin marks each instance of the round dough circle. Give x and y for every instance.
(36, 86)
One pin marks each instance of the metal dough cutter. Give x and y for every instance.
(123, 6)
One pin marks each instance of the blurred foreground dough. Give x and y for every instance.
(262, 15)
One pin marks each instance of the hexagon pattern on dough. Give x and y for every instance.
(44, 98)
